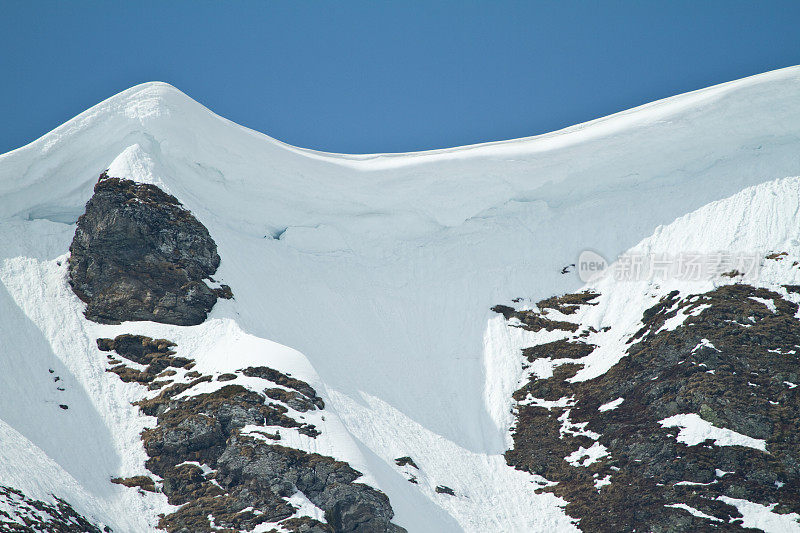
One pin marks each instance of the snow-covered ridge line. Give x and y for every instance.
(154, 94)
(607, 125)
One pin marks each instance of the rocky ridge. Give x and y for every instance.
(218, 454)
(21, 514)
(698, 418)
(215, 449)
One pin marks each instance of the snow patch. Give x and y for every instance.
(587, 456)
(610, 406)
(306, 507)
(768, 302)
(762, 517)
(693, 511)
(704, 343)
(694, 430)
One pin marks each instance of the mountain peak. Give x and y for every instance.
(379, 271)
(152, 99)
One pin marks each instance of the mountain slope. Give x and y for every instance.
(380, 269)
(608, 372)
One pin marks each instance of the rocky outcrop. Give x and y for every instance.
(155, 355)
(138, 254)
(327, 483)
(21, 514)
(732, 364)
(216, 450)
(219, 453)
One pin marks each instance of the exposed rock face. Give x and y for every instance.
(21, 514)
(139, 255)
(219, 452)
(329, 484)
(156, 355)
(733, 364)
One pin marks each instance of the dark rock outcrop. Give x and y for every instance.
(326, 482)
(156, 355)
(141, 482)
(733, 362)
(21, 514)
(405, 460)
(246, 477)
(139, 255)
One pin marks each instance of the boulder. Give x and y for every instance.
(138, 254)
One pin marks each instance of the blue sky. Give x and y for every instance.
(379, 76)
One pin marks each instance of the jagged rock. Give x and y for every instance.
(305, 524)
(279, 378)
(251, 474)
(328, 483)
(138, 254)
(729, 363)
(249, 478)
(21, 514)
(405, 460)
(533, 320)
(155, 354)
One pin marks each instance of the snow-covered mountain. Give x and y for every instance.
(364, 285)
(695, 328)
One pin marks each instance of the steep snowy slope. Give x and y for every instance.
(701, 335)
(380, 269)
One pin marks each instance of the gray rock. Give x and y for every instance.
(20, 513)
(738, 385)
(349, 507)
(138, 254)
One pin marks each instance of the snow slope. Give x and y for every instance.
(380, 269)
(756, 221)
(759, 222)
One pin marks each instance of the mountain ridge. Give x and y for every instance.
(158, 102)
(705, 350)
(382, 277)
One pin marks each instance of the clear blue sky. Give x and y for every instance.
(383, 76)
